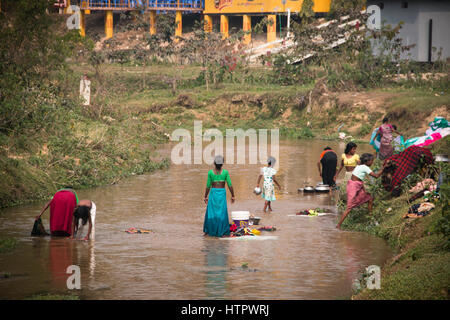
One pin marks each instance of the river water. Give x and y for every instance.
(307, 258)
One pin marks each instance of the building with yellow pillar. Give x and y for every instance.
(247, 27)
(269, 8)
(109, 24)
(82, 23)
(208, 23)
(178, 24)
(152, 22)
(224, 25)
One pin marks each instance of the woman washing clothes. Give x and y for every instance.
(385, 132)
(62, 206)
(356, 194)
(216, 223)
(85, 211)
(328, 161)
(349, 160)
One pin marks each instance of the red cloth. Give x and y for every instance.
(356, 195)
(61, 211)
(406, 162)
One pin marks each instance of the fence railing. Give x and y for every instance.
(194, 5)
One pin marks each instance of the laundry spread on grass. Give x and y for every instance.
(439, 128)
(419, 210)
(400, 165)
(426, 184)
(137, 230)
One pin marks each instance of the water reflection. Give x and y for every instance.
(216, 263)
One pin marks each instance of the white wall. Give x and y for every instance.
(415, 29)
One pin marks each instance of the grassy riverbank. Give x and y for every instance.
(419, 270)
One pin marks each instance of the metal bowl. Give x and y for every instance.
(309, 189)
(323, 189)
(257, 191)
(255, 220)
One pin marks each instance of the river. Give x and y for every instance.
(308, 259)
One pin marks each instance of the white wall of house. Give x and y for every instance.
(416, 15)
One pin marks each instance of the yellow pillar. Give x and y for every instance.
(272, 28)
(108, 24)
(208, 23)
(82, 23)
(67, 9)
(152, 22)
(247, 26)
(224, 26)
(178, 24)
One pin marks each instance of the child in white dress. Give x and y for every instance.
(268, 192)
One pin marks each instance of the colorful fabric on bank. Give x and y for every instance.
(61, 212)
(216, 222)
(406, 162)
(439, 128)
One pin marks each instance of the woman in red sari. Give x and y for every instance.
(62, 206)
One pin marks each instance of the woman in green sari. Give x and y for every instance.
(216, 222)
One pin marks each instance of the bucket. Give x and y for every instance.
(240, 218)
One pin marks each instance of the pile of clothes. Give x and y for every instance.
(400, 165)
(310, 212)
(236, 231)
(426, 184)
(419, 210)
(137, 230)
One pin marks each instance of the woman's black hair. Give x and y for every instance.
(218, 166)
(349, 147)
(385, 120)
(83, 213)
(327, 148)
(366, 157)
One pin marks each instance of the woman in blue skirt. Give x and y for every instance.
(216, 217)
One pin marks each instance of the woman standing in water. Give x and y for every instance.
(216, 222)
(268, 192)
(349, 160)
(356, 194)
(385, 132)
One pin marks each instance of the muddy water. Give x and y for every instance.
(308, 259)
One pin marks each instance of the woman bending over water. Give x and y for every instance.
(216, 222)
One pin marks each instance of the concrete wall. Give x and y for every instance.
(415, 29)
